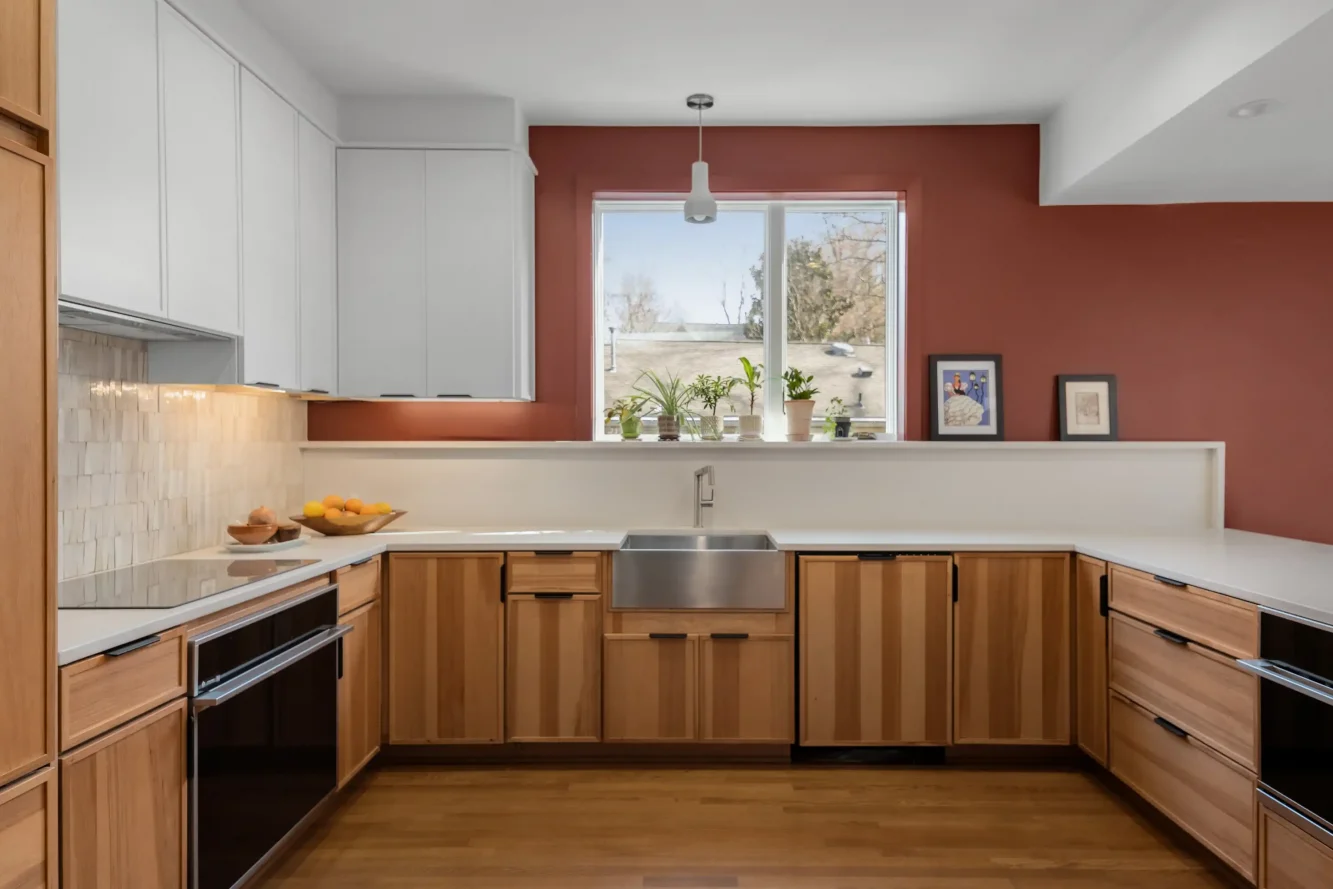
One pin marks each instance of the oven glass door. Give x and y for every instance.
(263, 760)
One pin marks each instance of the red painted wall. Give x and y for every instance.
(1216, 318)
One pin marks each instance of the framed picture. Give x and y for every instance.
(1087, 407)
(965, 400)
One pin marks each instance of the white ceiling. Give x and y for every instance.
(767, 61)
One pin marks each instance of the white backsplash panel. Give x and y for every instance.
(149, 470)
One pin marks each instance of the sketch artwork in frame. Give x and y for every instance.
(1087, 407)
(965, 403)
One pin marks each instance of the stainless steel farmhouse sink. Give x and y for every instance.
(718, 570)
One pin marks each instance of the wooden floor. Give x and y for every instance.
(758, 828)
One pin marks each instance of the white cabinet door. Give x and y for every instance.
(381, 272)
(268, 236)
(318, 259)
(202, 179)
(110, 240)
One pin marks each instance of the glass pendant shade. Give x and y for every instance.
(700, 206)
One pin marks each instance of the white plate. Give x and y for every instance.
(262, 547)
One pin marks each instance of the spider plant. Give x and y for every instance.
(673, 397)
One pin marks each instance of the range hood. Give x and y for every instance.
(131, 327)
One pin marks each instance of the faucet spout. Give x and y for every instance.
(700, 501)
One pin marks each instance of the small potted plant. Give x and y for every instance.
(752, 424)
(672, 397)
(800, 403)
(837, 422)
(711, 391)
(629, 412)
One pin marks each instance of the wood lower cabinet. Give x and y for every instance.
(1289, 856)
(106, 690)
(446, 648)
(123, 805)
(651, 687)
(746, 688)
(875, 650)
(1011, 649)
(554, 675)
(1219, 622)
(29, 833)
(359, 690)
(1090, 655)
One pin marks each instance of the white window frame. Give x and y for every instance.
(775, 295)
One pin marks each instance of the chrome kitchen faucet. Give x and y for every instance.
(700, 502)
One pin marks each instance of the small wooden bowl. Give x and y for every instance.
(250, 535)
(288, 531)
(346, 525)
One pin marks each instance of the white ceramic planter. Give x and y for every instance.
(799, 415)
(752, 427)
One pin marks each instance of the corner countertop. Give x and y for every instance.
(1282, 574)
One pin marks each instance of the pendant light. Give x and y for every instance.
(700, 207)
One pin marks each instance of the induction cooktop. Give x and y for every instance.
(168, 583)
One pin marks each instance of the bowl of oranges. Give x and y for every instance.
(335, 517)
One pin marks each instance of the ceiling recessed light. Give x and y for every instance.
(1252, 109)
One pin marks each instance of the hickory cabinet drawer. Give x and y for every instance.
(554, 572)
(1219, 622)
(102, 692)
(1196, 688)
(358, 584)
(1289, 857)
(1204, 792)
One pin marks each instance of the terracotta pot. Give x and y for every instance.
(668, 428)
(629, 428)
(710, 428)
(752, 427)
(799, 415)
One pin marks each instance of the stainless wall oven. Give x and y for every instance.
(1296, 718)
(263, 733)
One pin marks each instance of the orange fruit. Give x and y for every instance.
(333, 501)
(333, 512)
(354, 505)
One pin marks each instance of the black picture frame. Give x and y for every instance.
(996, 397)
(1062, 397)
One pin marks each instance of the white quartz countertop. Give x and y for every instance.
(1275, 572)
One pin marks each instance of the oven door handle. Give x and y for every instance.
(269, 668)
(1274, 672)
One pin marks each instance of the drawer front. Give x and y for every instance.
(554, 573)
(1198, 788)
(358, 584)
(100, 693)
(1199, 690)
(1289, 857)
(1219, 622)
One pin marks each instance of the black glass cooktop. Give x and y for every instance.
(168, 583)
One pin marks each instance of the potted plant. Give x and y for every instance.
(629, 412)
(752, 424)
(672, 397)
(800, 403)
(711, 391)
(837, 422)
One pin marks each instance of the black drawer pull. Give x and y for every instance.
(1171, 637)
(552, 595)
(453, 395)
(729, 635)
(554, 552)
(132, 646)
(318, 391)
(1104, 597)
(1168, 581)
(668, 635)
(1172, 727)
(877, 557)
(365, 561)
(265, 385)
(397, 395)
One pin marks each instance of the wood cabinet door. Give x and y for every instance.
(1011, 649)
(651, 687)
(29, 833)
(875, 639)
(1289, 856)
(123, 802)
(27, 61)
(554, 674)
(1090, 647)
(446, 649)
(27, 451)
(746, 688)
(359, 729)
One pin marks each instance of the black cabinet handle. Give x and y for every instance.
(397, 395)
(364, 561)
(729, 635)
(1172, 728)
(955, 581)
(504, 579)
(552, 595)
(1168, 581)
(1104, 597)
(453, 395)
(318, 391)
(877, 557)
(668, 635)
(132, 646)
(554, 552)
(1169, 636)
(265, 385)
(340, 658)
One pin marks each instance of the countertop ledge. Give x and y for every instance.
(1286, 575)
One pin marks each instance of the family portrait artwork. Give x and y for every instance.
(965, 398)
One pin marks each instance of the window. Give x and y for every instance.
(694, 299)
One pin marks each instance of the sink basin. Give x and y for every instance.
(717, 571)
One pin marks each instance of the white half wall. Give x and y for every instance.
(1130, 487)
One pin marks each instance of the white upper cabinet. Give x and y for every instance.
(110, 234)
(202, 179)
(268, 236)
(381, 273)
(318, 272)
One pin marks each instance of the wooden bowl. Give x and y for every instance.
(345, 525)
(287, 531)
(250, 535)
